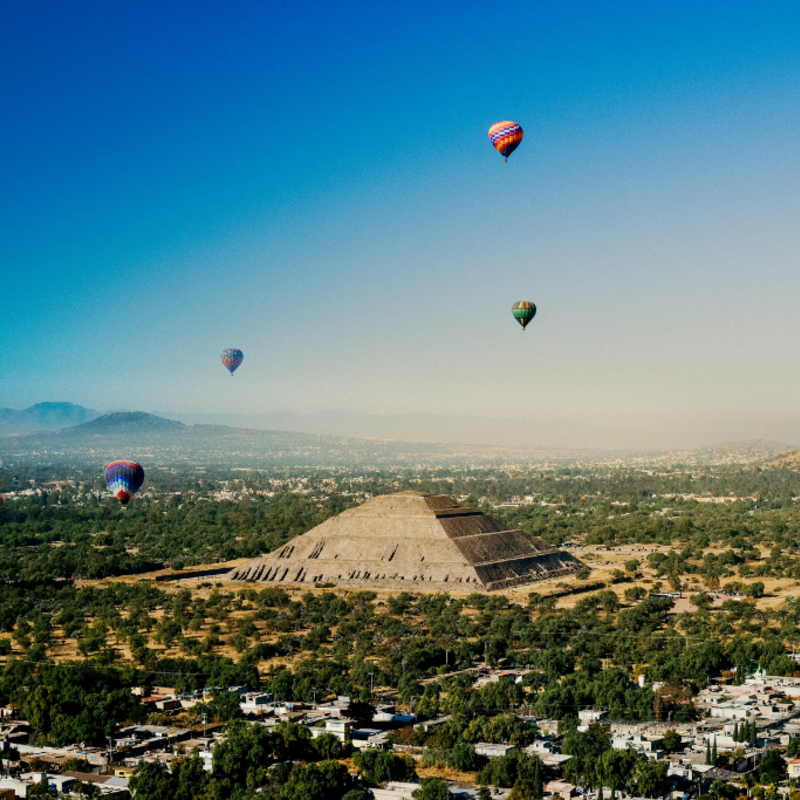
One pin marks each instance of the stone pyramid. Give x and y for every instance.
(410, 540)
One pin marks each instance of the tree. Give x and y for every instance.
(189, 777)
(432, 789)
(585, 749)
(500, 771)
(608, 600)
(358, 794)
(379, 766)
(462, 757)
(649, 776)
(292, 742)
(538, 780)
(635, 593)
(673, 698)
(168, 630)
(708, 753)
(43, 789)
(523, 790)
(151, 780)
(327, 747)
(771, 768)
(701, 601)
(615, 767)
(323, 781)
(224, 706)
(716, 788)
(241, 759)
(714, 753)
(76, 765)
(506, 770)
(672, 740)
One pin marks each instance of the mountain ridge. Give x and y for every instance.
(40, 417)
(116, 421)
(141, 436)
(125, 433)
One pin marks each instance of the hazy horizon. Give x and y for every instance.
(453, 429)
(316, 187)
(512, 431)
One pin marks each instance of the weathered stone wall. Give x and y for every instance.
(524, 570)
(456, 527)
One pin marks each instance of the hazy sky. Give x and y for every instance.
(313, 183)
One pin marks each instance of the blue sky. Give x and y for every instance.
(313, 183)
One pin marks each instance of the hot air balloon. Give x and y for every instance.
(523, 312)
(124, 478)
(232, 358)
(505, 136)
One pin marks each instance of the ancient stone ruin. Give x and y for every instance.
(410, 540)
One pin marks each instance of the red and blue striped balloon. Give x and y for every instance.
(123, 479)
(505, 136)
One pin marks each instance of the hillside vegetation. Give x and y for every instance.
(790, 460)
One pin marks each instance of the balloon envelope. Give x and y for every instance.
(505, 136)
(123, 479)
(523, 311)
(232, 358)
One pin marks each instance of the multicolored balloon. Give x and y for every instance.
(232, 359)
(523, 312)
(505, 136)
(124, 478)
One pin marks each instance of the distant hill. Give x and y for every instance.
(790, 459)
(152, 439)
(553, 434)
(745, 452)
(157, 441)
(126, 421)
(43, 417)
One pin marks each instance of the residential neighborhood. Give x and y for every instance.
(741, 726)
